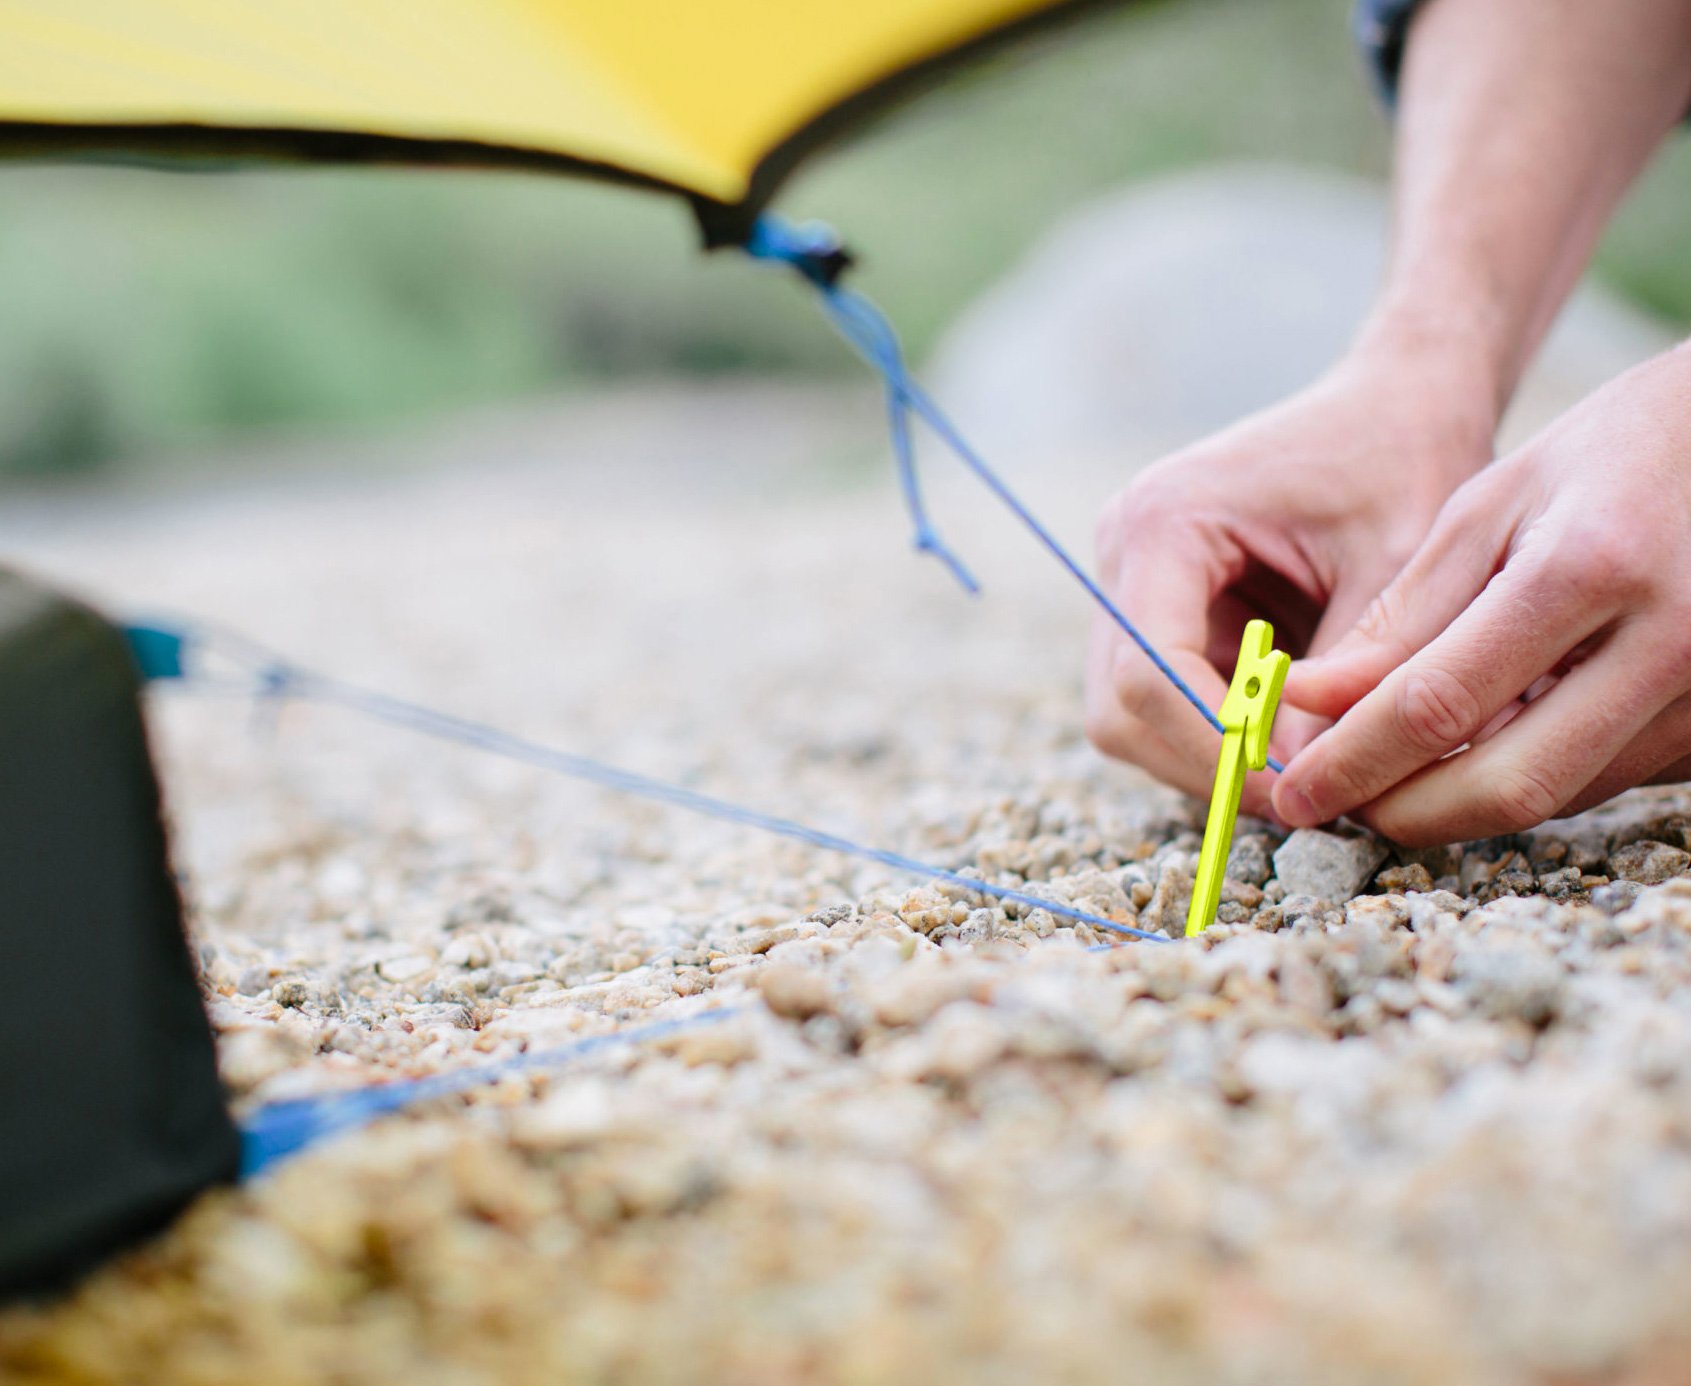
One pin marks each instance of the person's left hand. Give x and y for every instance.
(1542, 633)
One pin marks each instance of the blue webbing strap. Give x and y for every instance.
(280, 1129)
(813, 250)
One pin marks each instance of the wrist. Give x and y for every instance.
(1463, 354)
(1438, 377)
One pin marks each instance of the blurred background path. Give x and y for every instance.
(147, 315)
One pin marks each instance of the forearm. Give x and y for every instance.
(1521, 124)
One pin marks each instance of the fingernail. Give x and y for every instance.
(1298, 809)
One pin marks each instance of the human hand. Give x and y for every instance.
(1301, 515)
(1545, 625)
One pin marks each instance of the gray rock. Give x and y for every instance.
(1170, 901)
(1406, 878)
(1323, 864)
(1435, 861)
(1514, 880)
(1564, 884)
(293, 993)
(1649, 863)
(1657, 814)
(305, 993)
(1430, 911)
(1250, 860)
(1296, 907)
(1617, 897)
(1484, 861)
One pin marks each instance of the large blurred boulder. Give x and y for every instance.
(1176, 307)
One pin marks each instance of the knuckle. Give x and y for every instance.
(1375, 621)
(1102, 731)
(1520, 796)
(1392, 555)
(1160, 500)
(1436, 711)
(1111, 733)
(1133, 689)
(1596, 564)
(1391, 822)
(1142, 503)
(1155, 493)
(1383, 617)
(1473, 501)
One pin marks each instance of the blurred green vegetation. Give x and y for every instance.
(148, 311)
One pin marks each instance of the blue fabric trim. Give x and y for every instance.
(282, 1129)
(157, 651)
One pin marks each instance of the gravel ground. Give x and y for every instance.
(1396, 1120)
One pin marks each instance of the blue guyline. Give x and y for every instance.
(162, 652)
(280, 1129)
(813, 250)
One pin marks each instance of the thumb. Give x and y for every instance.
(1458, 557)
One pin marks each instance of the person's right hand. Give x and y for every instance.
(1301, 514)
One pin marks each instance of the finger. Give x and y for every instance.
(1459, 556)
(1537, 764)
(1355, 593)
(1167, 586)
(1655, 756)
(1154, 755)
(1186, 751)
(1118, 733)
(1294, 727)
(1510, 711)
(1677, 772)
(1517, 629)
(1293, 730)
(1151, 703)
(1127, 738)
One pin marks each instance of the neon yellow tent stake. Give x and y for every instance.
(1247, 716)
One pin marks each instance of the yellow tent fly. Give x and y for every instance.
(713, 99)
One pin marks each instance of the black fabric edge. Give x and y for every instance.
(179, 146)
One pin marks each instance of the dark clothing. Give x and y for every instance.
(1382, 28)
